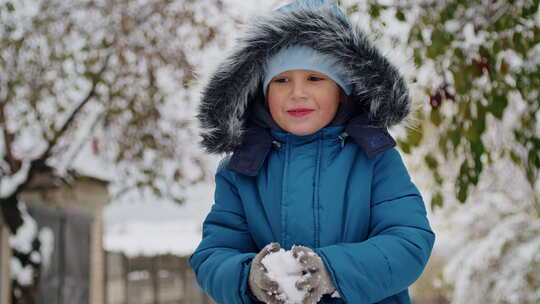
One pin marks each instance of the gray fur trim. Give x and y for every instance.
(376, 84)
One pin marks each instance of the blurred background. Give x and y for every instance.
(103, 188)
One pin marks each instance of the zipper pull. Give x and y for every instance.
(276, 144)
(342, 138)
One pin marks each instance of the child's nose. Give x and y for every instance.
(299, 89)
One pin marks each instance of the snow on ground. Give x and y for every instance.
(157, 227)
(153, 237)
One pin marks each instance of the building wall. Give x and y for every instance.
(85, 194)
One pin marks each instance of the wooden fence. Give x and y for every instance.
(163, 279)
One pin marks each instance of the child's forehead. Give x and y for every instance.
(301, 72)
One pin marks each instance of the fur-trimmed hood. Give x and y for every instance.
(377, 86)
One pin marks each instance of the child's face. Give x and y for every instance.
(302, 101)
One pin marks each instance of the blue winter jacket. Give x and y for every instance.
(364, 217)
(343, 191)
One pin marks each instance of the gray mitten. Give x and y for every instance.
(316, 281)
(262, 287)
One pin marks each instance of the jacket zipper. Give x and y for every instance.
(342, 137)
(283, 191)
(316, 204)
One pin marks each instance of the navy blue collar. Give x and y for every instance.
(257, 141)
(328, 132)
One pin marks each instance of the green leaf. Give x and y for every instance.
(528, 11)
(504, 68)
(431, 162)
(440, 40)
(443, 140)
(478, 149)
(455, 136)
(438, 178)
(448, 12)
(10, 6)
(400, 16)
(435, 117)
(462, 80)
(505, 22)
(533, 163)
(405, 146)
(463, 182)
(498, 105)
(458, 53)
(418, 60)
(484, 52)
(416, 34)
(520, 43)
(437, 200)
(375, 10)
(414, 137)
(515, 158)
(489, 157)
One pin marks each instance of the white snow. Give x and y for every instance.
(35, 257)
(147, 228)
(23, 275)
(9, 183)
(286, 271)
(79, 155)
(22, 240)
(46, 239)
(29, 144)
(153, 237)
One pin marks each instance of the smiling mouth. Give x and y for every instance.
(299, 112)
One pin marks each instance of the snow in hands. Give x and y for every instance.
(286, 271)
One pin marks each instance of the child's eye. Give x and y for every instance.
(281, 80)
(315, 78)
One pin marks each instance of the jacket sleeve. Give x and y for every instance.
(399, 242)
(222, 260)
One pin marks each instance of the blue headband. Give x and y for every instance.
(300, 57)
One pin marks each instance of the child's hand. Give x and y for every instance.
(261, 286)
(316, 281)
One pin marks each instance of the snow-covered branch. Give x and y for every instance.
(75, 112)
(10, 183)
(85, 132)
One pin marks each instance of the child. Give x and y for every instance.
(304, 104)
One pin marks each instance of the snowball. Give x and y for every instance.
(286, 271)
